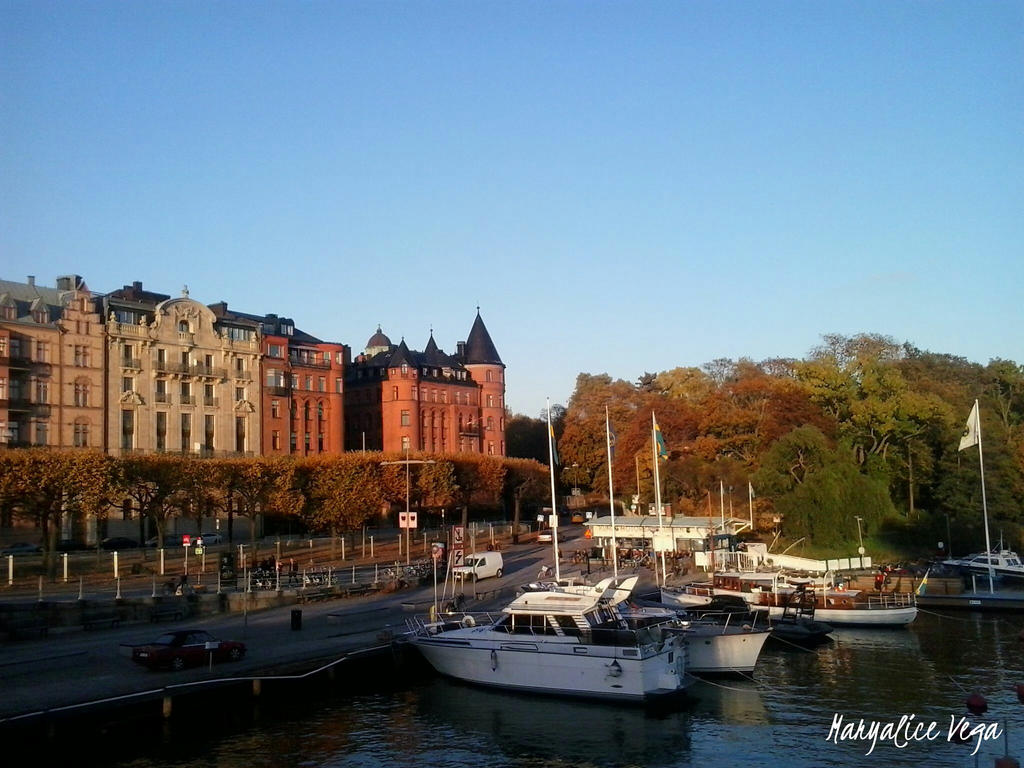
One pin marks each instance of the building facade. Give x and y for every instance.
(51, 365)
(397, 399)
(302, 388)
(180, 379)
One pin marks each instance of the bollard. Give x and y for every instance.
(116, 574)
(10, 570)
(353, 574)
(65, 556)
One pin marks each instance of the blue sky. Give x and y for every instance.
(620, 186)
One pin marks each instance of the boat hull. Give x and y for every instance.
(865, 616)
(715, 650)
(557, 667)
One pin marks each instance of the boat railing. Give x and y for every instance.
(726, 619)
(892, 600)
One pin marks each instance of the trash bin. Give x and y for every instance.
(296, 618)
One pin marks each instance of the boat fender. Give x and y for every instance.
(614, 670)
(977, 704)
(494, 660)
(468, 621)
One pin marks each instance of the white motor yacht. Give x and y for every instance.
(564, 640)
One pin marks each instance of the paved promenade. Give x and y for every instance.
(70, 669)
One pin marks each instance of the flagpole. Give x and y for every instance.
(554, 504)
(984, 503)
(611, 494)
(750, 500)
(657, 494)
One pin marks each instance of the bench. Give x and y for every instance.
(93, 619)
(27, 624)
(315, 595)
(166, 611)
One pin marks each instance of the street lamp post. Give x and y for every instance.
(407, 461)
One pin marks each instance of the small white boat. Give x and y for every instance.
(1005, 564)
(563, 640)
(769, 591)
(717, 644)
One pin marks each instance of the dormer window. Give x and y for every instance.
(405, 369)
(183, 326)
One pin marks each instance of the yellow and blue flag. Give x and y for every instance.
(554, 445)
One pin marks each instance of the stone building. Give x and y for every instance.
(179, 378)
(51, 365)
(397, 399)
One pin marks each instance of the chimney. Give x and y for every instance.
(461, 349)
(137, 285)
(32, 280)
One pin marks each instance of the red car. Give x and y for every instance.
(186, 647)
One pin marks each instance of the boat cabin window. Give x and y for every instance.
(525, 624)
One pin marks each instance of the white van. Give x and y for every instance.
(480, 566)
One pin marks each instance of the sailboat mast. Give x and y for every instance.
(984, 505)
(611, 493)
(554, 503)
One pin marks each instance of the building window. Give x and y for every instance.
(295, 381)
(80, 438)
(161, 431)
(488, 376)
(183, 326)
(127, 430)
(239, 394)
(186, 393)
(405, 442)
(309, 383)
(208, 398)
(320, 442)
(240, 434)
(81, 394)
(490, 401)
(186, 431)
(394, 393)
(490, 448)
(319, 411)
(42, 351)
(275, 351)
(41, 433)
(161, 391)
(42, 392)
(337, 386)
(127, 384)
(405, 418)
(275, 440)
(490, 423)
(275, 409)
(294, 442)
(308, 443)
(322, 383)
(208, 424)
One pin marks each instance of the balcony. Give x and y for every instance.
(131, 362)
(307, 363)
(242, 375)
(201, 369)
(162, 397)
(164, 366)
(127, 329)
(188, 399)
(211, 402)
(278, 391)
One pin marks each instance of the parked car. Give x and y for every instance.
(544, 537)
(118, 542)
(577, 517)
(209, 539)
(71, 545)
(22, 548)
(186, 647)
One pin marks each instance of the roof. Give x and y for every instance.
(27, 298)
(379, 339)
(479, 347)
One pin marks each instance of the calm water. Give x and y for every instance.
(781, 718)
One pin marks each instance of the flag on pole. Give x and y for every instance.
(750, 487)
(611, 441)
(924, 582)
(972, 432)
(662, 450)
(554, 445)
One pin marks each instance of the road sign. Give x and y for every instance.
(458, 535)
(457, 557)
(186, 540)
(406, 519)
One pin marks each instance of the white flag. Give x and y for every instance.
(972, 432)
(750, 488)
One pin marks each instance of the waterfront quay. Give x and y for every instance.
(72, 673)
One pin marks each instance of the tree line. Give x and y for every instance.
(864, 427)
(326, 494)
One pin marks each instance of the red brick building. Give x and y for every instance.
(397, 399)
(301, 408)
